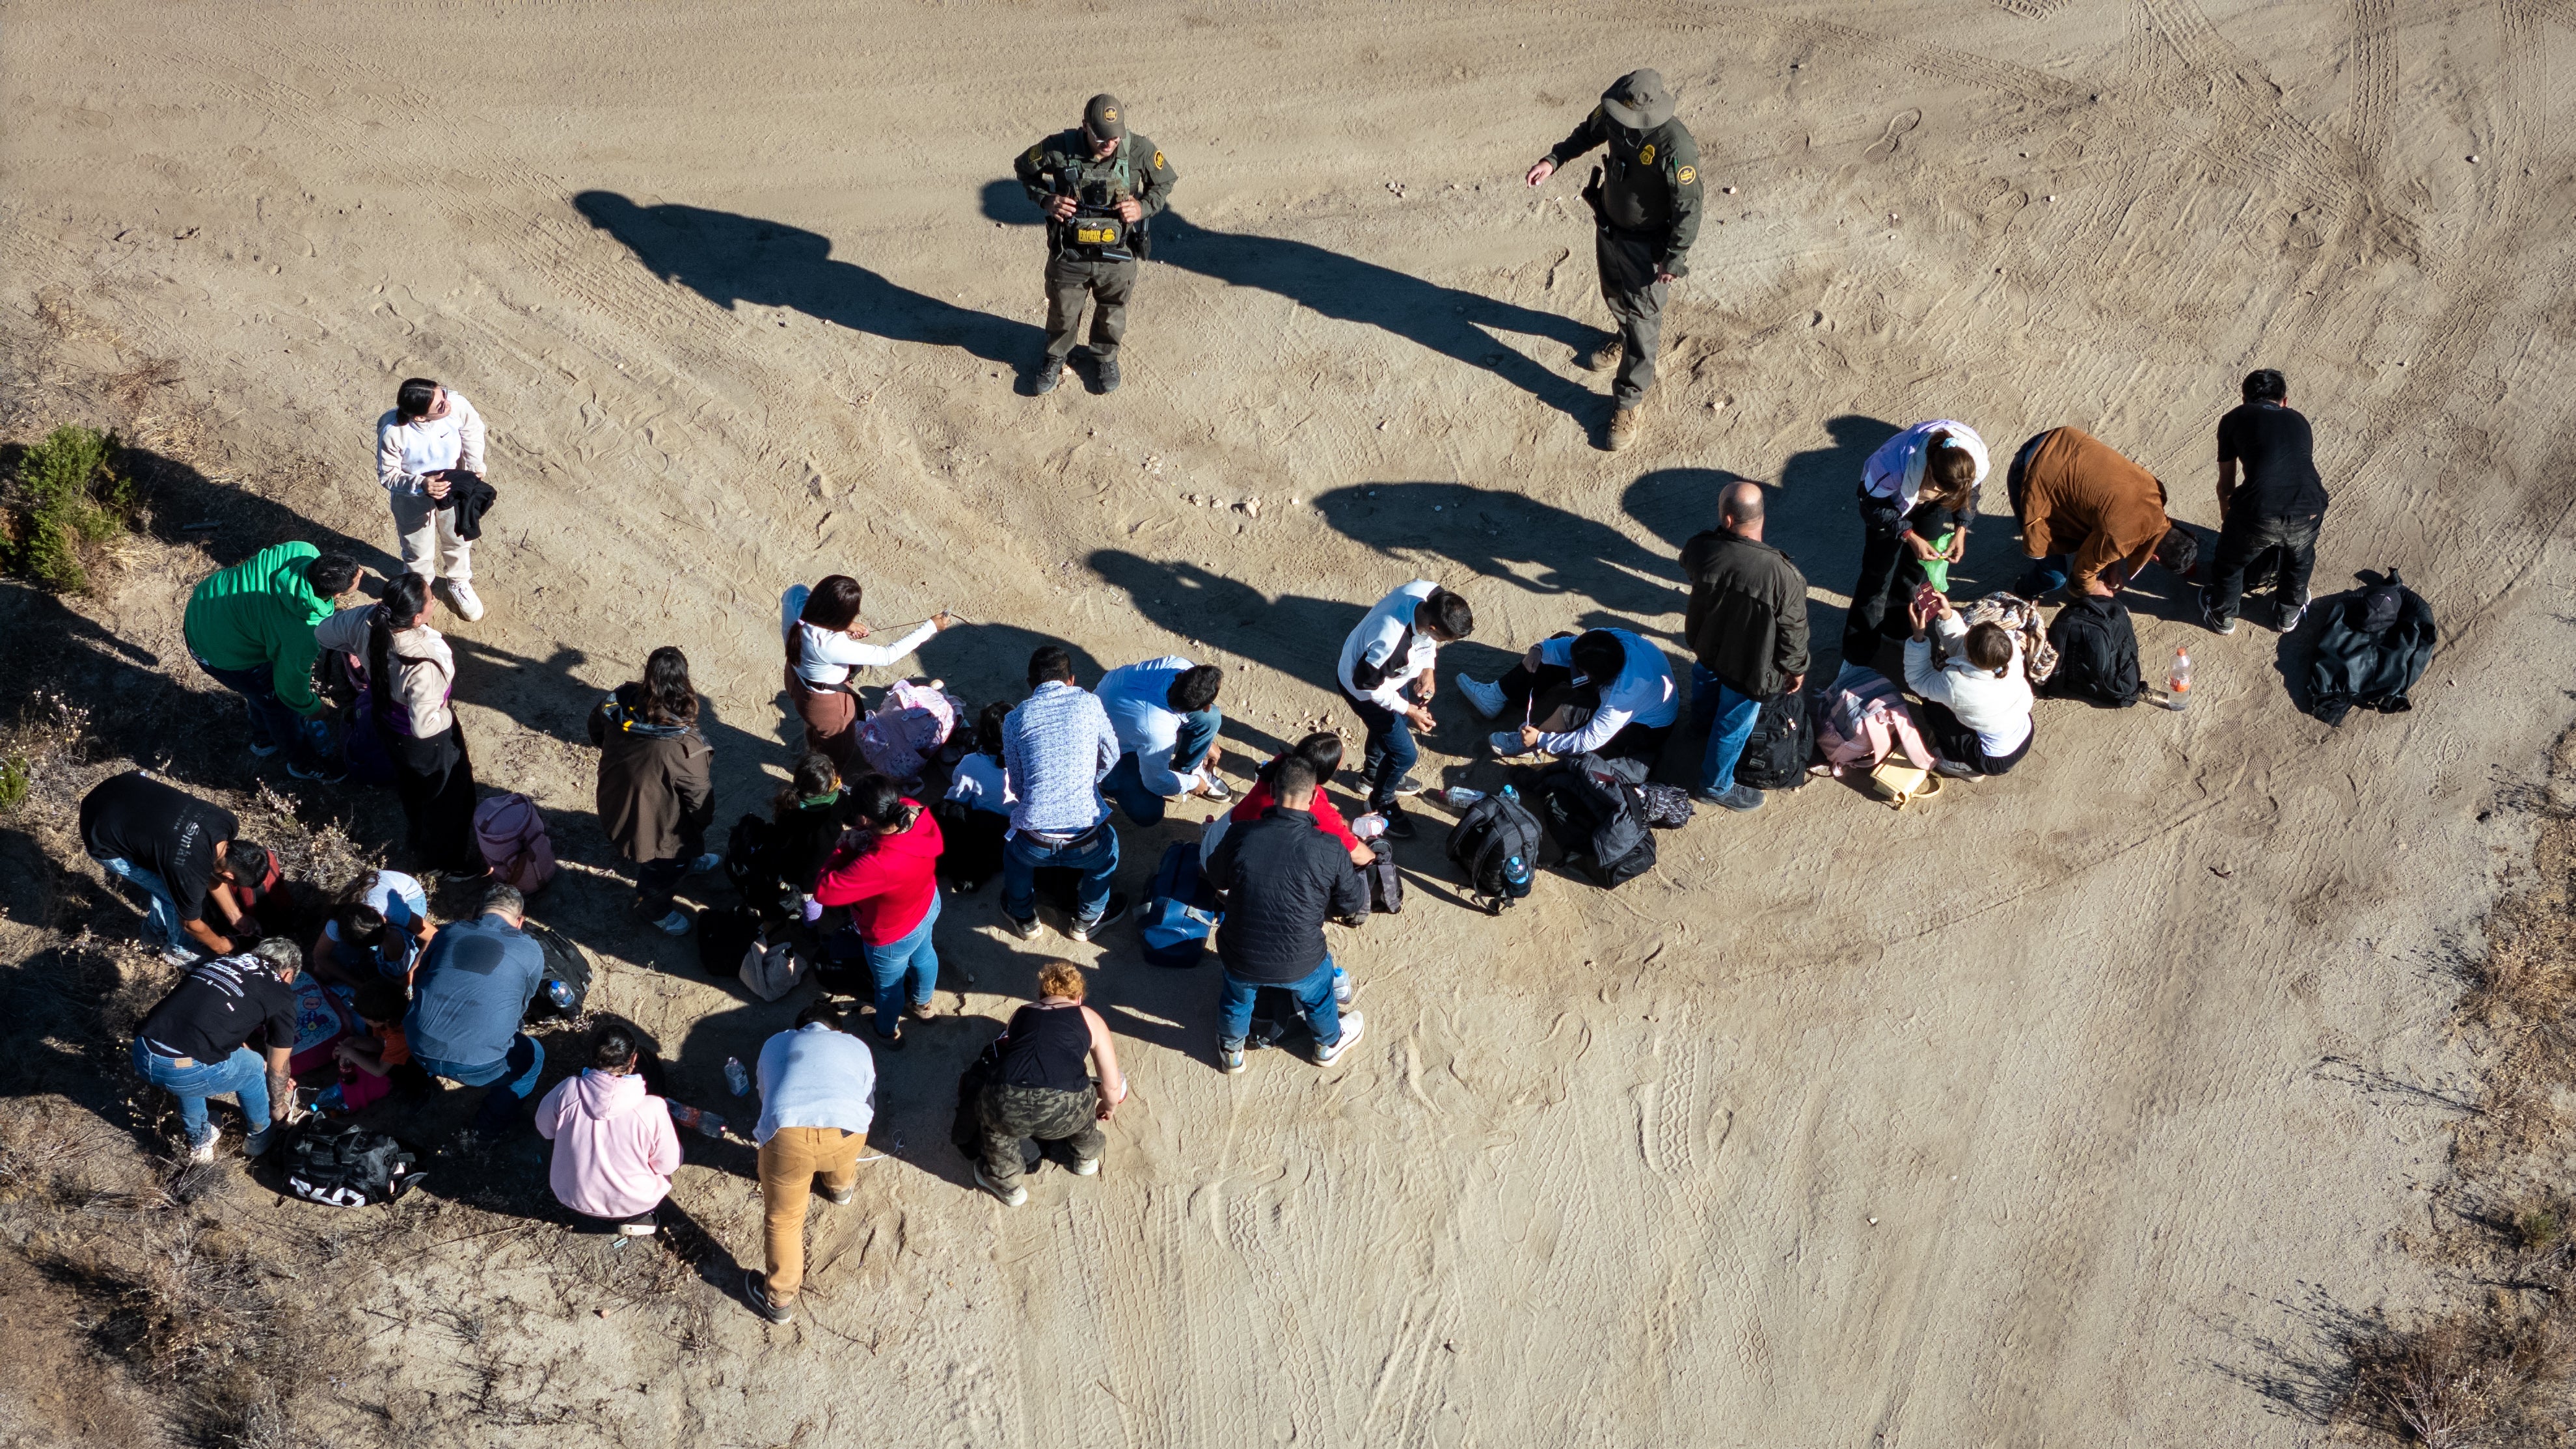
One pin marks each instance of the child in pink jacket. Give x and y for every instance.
(615, 1148)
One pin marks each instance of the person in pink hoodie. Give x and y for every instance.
(885, 871)
(615, 1148)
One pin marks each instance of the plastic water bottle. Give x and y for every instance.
(697, 1121)
(736, 1077)
(1460, 797)
(1516, 874)
(560, 993)
(2178, 685)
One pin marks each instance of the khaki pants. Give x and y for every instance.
(423, 525)
(789, 1162)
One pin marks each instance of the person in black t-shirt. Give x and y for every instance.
(2274, 512)
(1042, 1087)
(196, 1043)
(180, 852)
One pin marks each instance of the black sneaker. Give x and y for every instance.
(1406, 786)
(755, 1291)
(1110, 915)
(1026, 930)
(1399, 826)
(1050, 373)
(1108, 374)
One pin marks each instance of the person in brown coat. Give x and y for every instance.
(656, 794)
(2075, 495)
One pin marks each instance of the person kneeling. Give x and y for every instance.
(1041, 1089)
(1976, 697)
(615, 1147)
(1612, 690)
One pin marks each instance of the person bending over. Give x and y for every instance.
(180, 853)
(1041, 1088)
(1389, 671)
(1610, 691)
(1282, 878)
(1165, 713)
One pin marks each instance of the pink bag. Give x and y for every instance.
(515, 844)
(907, 729)
(1864, 720)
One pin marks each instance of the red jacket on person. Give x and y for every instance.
(890, 884)
(1327, 819)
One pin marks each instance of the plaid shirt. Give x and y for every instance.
(1056, 747)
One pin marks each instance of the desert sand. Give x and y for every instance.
(2064, 1110)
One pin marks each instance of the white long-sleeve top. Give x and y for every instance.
(824, 657)
(1376, 639)
(1997, 709)
(1643, 693)
(1896, 469)
(424, 667)
(407, 451)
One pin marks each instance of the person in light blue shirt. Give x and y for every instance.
(1056, 748)
(470, 994)
(817, 1098)
(1606, 691)
(1165, 715)
(382, 933)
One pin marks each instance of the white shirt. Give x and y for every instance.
(1375, 641)
(814, 1076)
(407, 450)
(1896, 469)
(978, 781)
(824, 657)
(1138, 698)
(1643, 693)
(399, 899)
(1997, 709)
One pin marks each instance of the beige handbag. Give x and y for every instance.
(1901, 784)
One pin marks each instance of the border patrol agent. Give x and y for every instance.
(1100, 185)
(1646, 199)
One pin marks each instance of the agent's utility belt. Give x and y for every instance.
(1102, 235)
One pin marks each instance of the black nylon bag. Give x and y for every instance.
(340, 1164)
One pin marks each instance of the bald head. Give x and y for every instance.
(1739, 509)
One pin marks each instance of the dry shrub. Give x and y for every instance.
(2466, 1380)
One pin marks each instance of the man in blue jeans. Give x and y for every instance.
(1164, 712)
(1747, 629)
(196, 1043)
(250, 627)
(1389, 671)
(468, 997)
(1281, 877)
(1056, 748)
(181, 854)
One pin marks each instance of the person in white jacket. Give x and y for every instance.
(826, 641)
(1388, 672)
(1610, 693)
(430, 432)
(1976, 696)
(615, 1147)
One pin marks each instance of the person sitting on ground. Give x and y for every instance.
(367, 1059)
(379, 933)
(1389, 671)
(181, 854)
(806, 819)
(196, 1043)
(885, 873)
(1056, 748)
(1976, 700)
(2075, 495)
(411, 683)
(615, 1147)
(825, 643)
(2277, 510)
(1040, 1088)
(469, 995)
(1164, 712)
(250, 628)
(975, 815)
(1918, 498)
(1281, 878)
(1323, 750)
(1612, 690)
(656, 792)
(817, 1096)
(1746, 624)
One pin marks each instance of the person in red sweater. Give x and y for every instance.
(1323, 751)
(884, 873)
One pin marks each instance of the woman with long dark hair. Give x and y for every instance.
(656, 787)
(884, 873)
(825, 641)
(410, 676)
(1918, 499)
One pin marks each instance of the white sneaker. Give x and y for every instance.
(461, 598)
(1086, 1167)
(674, 924)
(1343, 991)
(204, 1154)
(1487, 698)
(1352, 1025)
(706, 862)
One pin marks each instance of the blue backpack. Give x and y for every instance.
(1181, 911)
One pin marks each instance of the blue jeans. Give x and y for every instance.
(1390, 753)
(1729, 717)
(1314, 997)
(2045, 575)
(1095, 855)
(243, 1076)
(912, 957)
(160, 912)
(511, 1079)
(272, 724)
(1126, 782)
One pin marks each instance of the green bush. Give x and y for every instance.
(15, 777)
(66, 498)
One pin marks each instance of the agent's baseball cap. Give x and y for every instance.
(1105, 118)
(1638, 100)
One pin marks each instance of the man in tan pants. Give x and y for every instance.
(817, 1097)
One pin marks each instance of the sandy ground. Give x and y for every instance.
(2063, 1111)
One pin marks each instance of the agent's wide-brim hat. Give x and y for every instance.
(1639, 100)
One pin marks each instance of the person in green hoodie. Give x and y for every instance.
(251, 628)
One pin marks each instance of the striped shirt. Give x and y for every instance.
(1056, 747)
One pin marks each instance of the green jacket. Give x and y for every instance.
(1135, 169)
(261, 613)
(1650, 182)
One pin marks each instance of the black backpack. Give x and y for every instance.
(1496, 843)
(1385, 882)
(341, 1164)
(1783, 741)
(1596, 811)
(2097, 653)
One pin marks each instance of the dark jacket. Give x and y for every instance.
(2097, 653)
(1062, 162)
(656, 793)
(2377, 641)
(1747, 621)
(1650, 186)
(1281, 877)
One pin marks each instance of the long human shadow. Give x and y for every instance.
(1456, 324)
(1299, 636)
(729, 258)
(1496, 536)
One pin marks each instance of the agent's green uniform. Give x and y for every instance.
(1648, 215)
(1076, 267)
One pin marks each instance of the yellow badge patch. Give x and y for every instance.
(1158, 160)
(1686, 175)
(1109, 115)
(1646, 157)
(1036, 152)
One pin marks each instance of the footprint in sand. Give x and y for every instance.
(1892, 140)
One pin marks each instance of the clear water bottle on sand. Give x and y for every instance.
(684, 1115)
(736, 1078)
(1460, 797)
(2178, 684)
